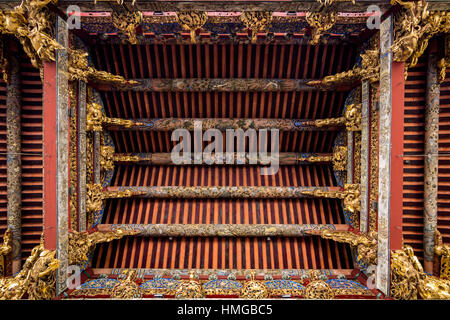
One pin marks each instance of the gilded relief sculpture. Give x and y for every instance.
(127, 24)
(192, 21)
(414, 27)
(81, 243)
(320, 22)
(368, 70)
(37, 277)
(256, 21)
(365, 243)
(410, 282)
(79, 69)
(30, 23)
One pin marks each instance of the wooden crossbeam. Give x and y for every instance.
(220, 85)
(165, 158)
(222, 124)
(222, 230)
(223, 192)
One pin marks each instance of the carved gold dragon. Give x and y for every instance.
(37, 277)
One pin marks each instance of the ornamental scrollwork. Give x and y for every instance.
(319, 289)
(107, 157)
(37, 277)
(257, 21)
(192, 21)
(339, 158)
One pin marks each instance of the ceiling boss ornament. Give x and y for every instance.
(256, 21)
(192, 21)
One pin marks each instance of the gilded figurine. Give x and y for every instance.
(190, 289)
(339, 158)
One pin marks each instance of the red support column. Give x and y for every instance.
(397, 135)
(50, 156)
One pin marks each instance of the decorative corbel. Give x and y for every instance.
(256, 21)
(37, 277)
(351, 119)
(414, 26)
(30, 22)
(366, 244)
(79, 69)
(81, 243)
(95, 118)
(95, 196)
(369, 70)
(320, 22)
(127, 24)
(192, 21)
